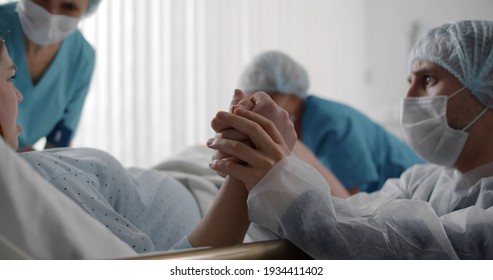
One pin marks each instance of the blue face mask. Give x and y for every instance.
(426, 128)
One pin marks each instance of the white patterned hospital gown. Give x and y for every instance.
(147, 209)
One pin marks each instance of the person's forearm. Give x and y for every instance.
(226, 222)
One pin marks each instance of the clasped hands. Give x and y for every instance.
(251, 138)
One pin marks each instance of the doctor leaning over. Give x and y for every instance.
(55, 64)
(433, 211)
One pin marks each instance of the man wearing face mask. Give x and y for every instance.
(55, 65)
(441, 210)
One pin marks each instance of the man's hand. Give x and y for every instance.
(262, 104)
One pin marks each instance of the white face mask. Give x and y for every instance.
(425, 126)
(43, 28)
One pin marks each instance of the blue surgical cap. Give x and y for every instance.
(465, 49)
(91, 8)
(273, 71)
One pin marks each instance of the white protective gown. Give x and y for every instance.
(429, 213)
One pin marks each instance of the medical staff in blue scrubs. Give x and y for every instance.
(54, 64)
(361, 153)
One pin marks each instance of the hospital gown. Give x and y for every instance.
(430, 212)
(145, 208)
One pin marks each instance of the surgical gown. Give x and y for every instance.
(357, 150)
(430, 212)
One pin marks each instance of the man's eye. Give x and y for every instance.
(429, 80)
(12, 78)
(71, 7)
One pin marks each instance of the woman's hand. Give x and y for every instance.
(268, 108)
(229, 132)
(262, 104)
(268, 148)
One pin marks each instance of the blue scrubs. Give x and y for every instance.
(52, 107)
(356, 149)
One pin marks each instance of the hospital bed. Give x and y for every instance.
(261, 250)
(39, 222)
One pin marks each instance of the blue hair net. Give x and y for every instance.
(273, 71)
(465, 49)
(91, 8)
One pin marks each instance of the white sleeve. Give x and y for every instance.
(294, 201)
(37, 221)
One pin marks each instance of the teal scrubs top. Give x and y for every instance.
(52, 107)
(356, 149)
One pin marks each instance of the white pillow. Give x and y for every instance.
(37, 221)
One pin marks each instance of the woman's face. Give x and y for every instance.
(71, 8)
(10, 97)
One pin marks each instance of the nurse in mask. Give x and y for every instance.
(440, 210)
(55, 64)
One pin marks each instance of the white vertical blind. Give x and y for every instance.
(165, 67)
